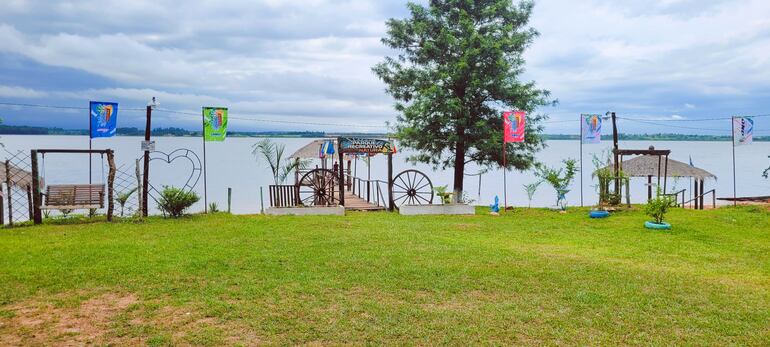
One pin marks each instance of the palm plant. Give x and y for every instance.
(123, 197)
(273, 154)
(531, 189)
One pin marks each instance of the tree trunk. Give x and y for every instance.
(459, 169)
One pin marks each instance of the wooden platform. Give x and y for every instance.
(354, 203)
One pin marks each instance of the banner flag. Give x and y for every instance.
(514, 124)
(743, 130)
(327, 148)
(592, 128)
(104, 119)
(214, 124)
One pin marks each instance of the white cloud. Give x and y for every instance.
(18, 92)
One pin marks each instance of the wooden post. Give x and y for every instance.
(38, 217)
(701, 194)
(230, 198)
(262, 200)
(342, 175)
(2, 207)
(615, 151)
(391, 204)
(146, 174)
(29, 203)
(649, 188)
(696, 194)
(110, 185)
(8, 184)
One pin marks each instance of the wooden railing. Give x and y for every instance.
(699, 200)
(370, 190)
(284, 195)
(675, 195)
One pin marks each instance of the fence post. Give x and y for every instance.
(36, 188)
(2, 207)
(229, 198)
(8, 184)
(29, 202)
(139, 194)
(261, 200)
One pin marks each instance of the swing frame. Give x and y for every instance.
(37, 196)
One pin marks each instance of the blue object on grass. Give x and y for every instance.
(495, 208)
(661, 226)
(599, 214)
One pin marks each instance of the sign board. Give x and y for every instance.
(148, 146)
(355, 145)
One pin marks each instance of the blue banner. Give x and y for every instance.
(104, 119)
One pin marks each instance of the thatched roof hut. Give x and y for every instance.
(311, 150)
(19, 177)
(647, 165)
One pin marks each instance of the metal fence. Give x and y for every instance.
(16, 188)
(127, 197)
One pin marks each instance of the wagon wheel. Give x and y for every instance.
(319, 187)
(412, 187)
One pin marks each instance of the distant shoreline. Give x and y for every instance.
(178, 132)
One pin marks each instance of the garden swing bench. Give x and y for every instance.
(72, 196)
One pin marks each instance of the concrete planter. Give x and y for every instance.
(306, 211)
(451, 209)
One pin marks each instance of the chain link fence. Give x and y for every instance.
(127, 197)
(16, 188)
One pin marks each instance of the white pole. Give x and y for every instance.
(735, 186)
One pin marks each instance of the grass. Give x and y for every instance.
(531, 277)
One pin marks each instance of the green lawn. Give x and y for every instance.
(531, 277)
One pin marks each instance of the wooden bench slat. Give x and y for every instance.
(74, 197)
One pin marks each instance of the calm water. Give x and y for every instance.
(231, 164)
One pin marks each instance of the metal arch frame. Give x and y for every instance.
(412, 189)
(181, 153)
(313, 199)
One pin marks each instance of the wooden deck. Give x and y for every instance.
(354, 203)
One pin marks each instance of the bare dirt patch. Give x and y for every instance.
(115, 319)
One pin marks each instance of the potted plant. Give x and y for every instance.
(657, 209)
(559, 179)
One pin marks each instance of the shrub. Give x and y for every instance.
(213, 207)
(658, 207)
(443, 194)
(174, 201)
(559, 179)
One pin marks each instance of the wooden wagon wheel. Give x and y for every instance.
(319, 187)
(412, 187)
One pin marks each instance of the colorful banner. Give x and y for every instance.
(104, 119)
(365, 146)
(327, 148)
(591, 128)
(743, 130)
(514, 126)
(214, 124)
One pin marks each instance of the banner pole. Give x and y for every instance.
(581, 160)
(505, 181)
(90, 140)
(735, 186)
(205, 188)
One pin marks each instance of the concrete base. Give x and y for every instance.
(306, 211)
(451, 209)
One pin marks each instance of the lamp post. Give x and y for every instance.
(146, 175)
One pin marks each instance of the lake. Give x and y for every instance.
(231, 164)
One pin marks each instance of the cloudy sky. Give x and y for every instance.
(309, 61)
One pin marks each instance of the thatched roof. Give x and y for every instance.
(19, 177)
(647, 165)
(310, 151)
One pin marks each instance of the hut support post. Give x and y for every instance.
(649, 188)
(697, 194)
(701, 194)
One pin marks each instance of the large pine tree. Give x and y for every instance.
(457, 70)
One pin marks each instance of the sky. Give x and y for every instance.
(668, 63)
